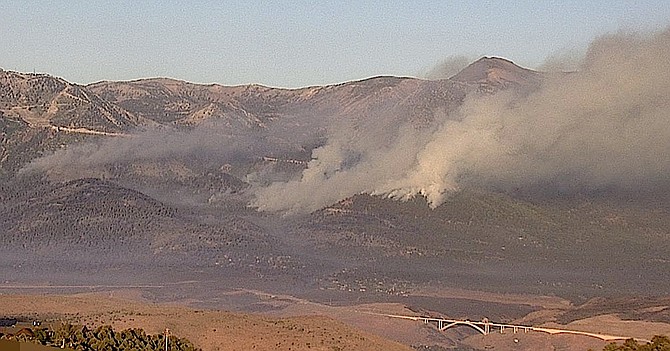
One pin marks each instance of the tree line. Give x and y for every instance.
(102, 338)
(658, 343)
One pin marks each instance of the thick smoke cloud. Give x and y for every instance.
(605, 126)
(209, 143)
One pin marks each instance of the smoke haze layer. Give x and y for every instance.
(606, 126)
(211, 144)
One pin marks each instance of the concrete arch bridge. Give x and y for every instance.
(487, 327)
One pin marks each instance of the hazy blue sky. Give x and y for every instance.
(297, 43)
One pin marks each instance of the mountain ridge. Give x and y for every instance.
(117, 104)
(49, 111)
(498, 72)
(177, 168)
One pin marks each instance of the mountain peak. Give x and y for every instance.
(497, 71)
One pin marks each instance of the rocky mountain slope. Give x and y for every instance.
(41, 100)
(46, 109)
(143, 171)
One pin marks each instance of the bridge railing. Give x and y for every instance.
(486, 327)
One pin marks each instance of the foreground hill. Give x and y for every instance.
(209, 330)
(91, 221)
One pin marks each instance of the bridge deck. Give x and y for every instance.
(485, 327)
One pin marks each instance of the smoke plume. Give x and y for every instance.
(207, 144)
(606, 126)
(449, 67)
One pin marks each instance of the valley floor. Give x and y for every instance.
(268, 321)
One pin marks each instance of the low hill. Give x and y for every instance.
(209, 330)
(85, 218)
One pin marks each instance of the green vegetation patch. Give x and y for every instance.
(658, 343)
(78, 337)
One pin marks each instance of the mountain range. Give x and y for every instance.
(157, 173)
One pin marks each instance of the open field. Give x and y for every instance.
(210, 330)
(299, 324)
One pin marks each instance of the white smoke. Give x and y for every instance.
(607, 125)
(207, 143)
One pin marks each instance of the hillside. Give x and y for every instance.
(184, 192)
(209, 330)
(45, 101)
(492, 73)
(367, 190)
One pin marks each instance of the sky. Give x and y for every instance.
(299, 43)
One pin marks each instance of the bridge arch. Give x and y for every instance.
(457, 323)
(485, 327)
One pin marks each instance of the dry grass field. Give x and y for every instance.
(299, 324)
(210, 330)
